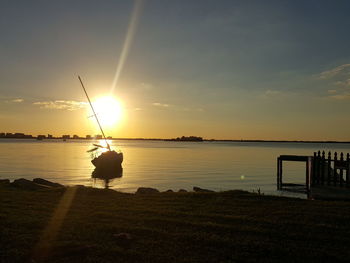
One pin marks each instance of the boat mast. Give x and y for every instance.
(81, 82)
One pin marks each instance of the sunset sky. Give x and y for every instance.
(216, 69)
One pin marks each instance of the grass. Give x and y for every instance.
(175, 227)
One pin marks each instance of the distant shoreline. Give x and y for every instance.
(172, 140)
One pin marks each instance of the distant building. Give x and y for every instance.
(18, 135)
(49, 136)
(109, 138)
(65, 136)
(75, 136)
(2, 134)
(41, 136)
(98, 137)
(88, 137)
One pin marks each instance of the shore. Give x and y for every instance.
(70, 224)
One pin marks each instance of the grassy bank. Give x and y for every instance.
(173, 227)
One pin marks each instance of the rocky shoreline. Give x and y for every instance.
(43, 184)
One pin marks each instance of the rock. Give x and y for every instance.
(46, 182)
(27, 185)
(147, 190)
(182, 191)
(169, 191)
(4, 182)
(201, 190)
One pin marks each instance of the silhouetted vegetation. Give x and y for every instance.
(187, 139)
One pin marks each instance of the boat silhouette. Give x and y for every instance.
(108, 164)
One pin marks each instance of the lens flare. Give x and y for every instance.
(128, 40)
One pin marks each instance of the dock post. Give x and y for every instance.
(278, 173)
(308, 175)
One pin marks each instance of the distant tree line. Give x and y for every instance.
(187, 139)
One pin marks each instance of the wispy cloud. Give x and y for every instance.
(342, 69)
(343, 96)
(332, 91)
(69, 105)
(158, 104)
(338, 82)
(269, 94)
(17, 100)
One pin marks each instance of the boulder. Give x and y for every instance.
(182, 191)
(147, 190)
(201, 190)
(27, 185)
(169, 191)
(46, 182)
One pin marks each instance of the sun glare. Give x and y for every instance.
(108, 110)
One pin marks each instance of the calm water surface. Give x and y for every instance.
(163, 165)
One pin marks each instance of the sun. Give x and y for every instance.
(108, 110)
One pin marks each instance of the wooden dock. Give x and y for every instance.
(325, 177)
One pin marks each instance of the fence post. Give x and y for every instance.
(319, 160)
(341, 169)
(347, 170)
(329, 168)
(323, 167)
(314, 170)
(334, 169)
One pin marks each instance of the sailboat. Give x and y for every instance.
(108, 165)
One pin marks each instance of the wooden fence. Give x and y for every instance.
(331, 171)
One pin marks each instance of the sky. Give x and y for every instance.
(273, 70)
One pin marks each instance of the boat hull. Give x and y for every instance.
(108, 165)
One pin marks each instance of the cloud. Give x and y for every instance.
(338, 94)
(69, 105)
(337, 81)
(268, 94)
(17, 100)
(157, 104)
(340, 70)
(332, 91)
(343, 96)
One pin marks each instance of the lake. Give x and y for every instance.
(161, 164)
